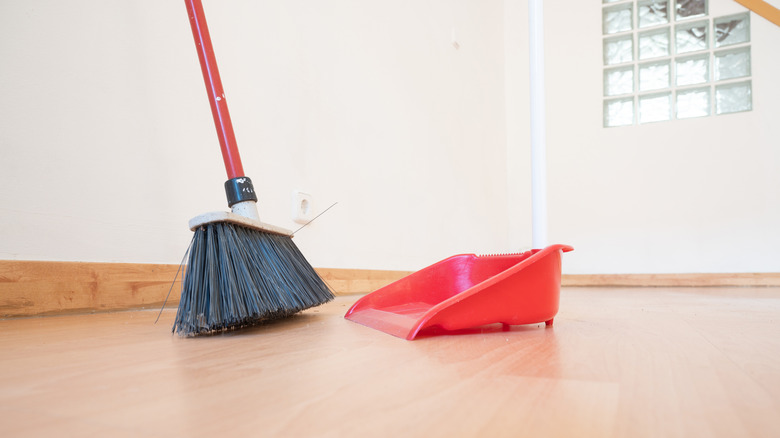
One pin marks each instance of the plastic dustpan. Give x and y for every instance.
(466, 291)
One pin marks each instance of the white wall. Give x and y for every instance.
(107, 146)
(697, 195)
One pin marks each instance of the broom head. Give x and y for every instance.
(242, 272)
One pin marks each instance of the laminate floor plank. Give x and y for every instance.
(618, 362)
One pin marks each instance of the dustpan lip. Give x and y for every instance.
(522, 264)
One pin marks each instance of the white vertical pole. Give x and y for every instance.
(538, 154)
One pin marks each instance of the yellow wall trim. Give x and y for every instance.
(763, 9)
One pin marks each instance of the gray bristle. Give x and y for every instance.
(237, 277)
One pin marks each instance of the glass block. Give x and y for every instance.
(654, 43)
(733, 98)
(692, 70)
(655, 107)
(618, 81)
(732, 64)
(691, 9)
(693, 103)
(619, 112)
(653, 12)
(617, 18)
(734, 29)
(654, 75)
(691, 37)
(610, 1)
(618, 50)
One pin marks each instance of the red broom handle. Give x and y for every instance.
(219, 109)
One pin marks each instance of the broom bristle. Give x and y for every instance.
(238, 276)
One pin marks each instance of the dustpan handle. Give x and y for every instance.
(219, 108)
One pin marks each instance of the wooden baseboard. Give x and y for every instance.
(358, 281)
(673, 280)
(29, 288)
(39, 288)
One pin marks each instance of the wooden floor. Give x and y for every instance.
(622, 362)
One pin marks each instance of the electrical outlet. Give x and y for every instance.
(302, 211)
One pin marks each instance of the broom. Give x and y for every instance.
(240, 271)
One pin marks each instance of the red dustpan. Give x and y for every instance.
(466, 291)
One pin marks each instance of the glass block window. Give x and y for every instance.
(685, 9)
(618, 18)
(732, 63)
(734, 29)
(654, 43)
(693, 102)
(691, 37)
(655, 107)
(667, 59)
(653, 13)
(692, 70)
(733, 98)
(618, 80)
(619, 112)
(654, 75)
(618, 50)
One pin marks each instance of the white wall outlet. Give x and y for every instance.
(302, 211)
